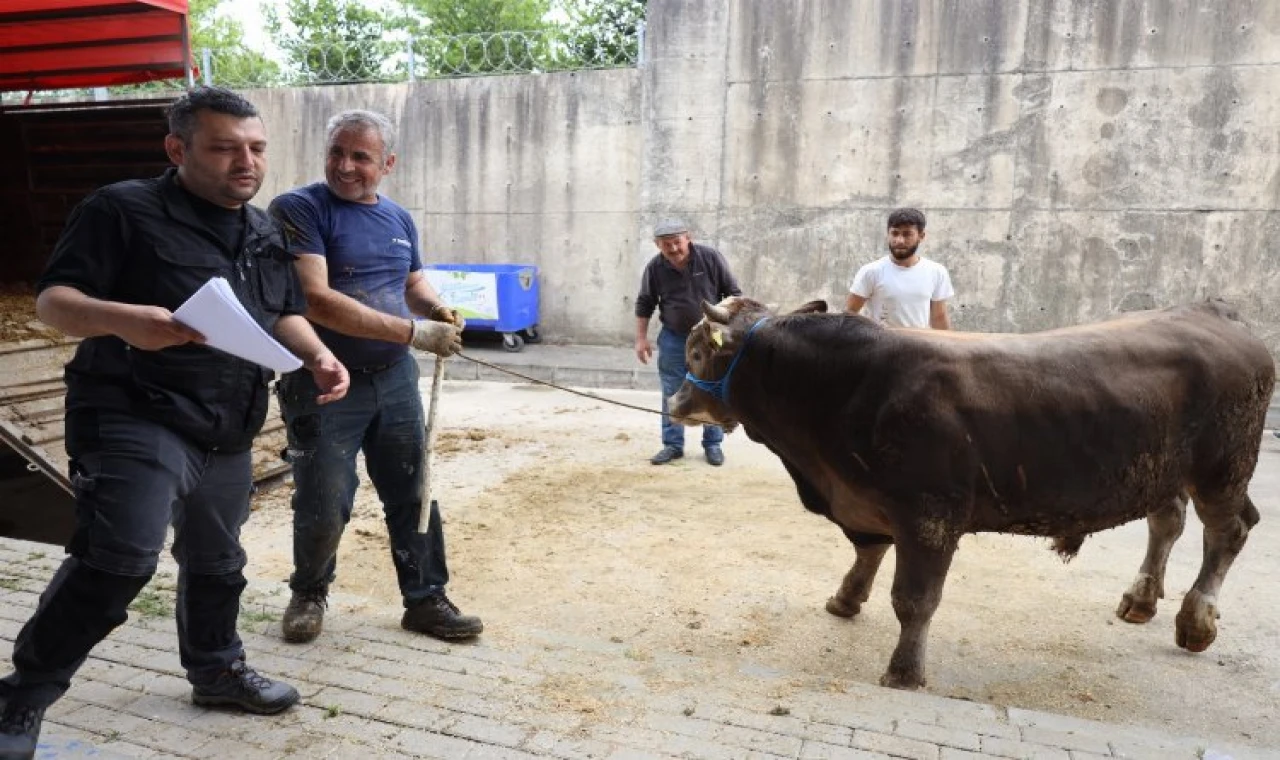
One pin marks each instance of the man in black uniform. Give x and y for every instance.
(158, 426)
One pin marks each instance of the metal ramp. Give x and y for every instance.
(35, 493)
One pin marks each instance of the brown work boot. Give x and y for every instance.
(304, 617)
(439, 617)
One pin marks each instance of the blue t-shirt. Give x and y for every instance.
(370, 249)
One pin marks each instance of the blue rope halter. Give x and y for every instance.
(719, 389)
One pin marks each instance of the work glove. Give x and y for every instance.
(440, 338)
(442, 313)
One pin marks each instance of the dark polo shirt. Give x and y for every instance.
(678, 295)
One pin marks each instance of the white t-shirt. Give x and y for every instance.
(900, 296)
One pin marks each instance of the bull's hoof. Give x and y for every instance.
(1138, 605)
(904, 681)
(1196, 630)
(1133, 610)
(841, 609)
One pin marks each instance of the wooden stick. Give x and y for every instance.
(428, 470)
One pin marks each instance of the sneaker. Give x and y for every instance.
(20, 730)
(667, 454)
(243, 687)
(304, 617)
(715, 457)
(439, 617)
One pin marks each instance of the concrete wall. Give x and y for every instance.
(533, 169)
(1075, 157)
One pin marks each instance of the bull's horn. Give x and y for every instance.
(716, 313)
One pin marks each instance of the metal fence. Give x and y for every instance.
(419, 58)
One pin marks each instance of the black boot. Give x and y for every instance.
(20, 730)
(439, 617)
(242, 686)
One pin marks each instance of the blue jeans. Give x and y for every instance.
(671, 371)
(381, 415)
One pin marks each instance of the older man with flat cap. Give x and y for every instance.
(675, 283)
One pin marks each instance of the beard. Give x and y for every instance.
(903, 255)
(241, 193)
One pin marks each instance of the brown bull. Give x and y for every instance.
(916, 437)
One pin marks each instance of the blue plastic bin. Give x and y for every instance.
(497, 297)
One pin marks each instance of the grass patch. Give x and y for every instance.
(150, 604)
(332, 711)
(251, 616)
(11, 584)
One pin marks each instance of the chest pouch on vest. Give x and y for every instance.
(273, 264)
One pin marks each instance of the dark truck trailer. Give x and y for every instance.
(63, 152)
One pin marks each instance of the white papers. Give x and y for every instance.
(215, 311)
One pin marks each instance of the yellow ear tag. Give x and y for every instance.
(717, 338)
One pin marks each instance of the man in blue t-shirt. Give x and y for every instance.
(360, 269)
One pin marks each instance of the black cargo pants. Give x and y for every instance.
(132, 479)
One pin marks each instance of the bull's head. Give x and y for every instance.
(710, 351)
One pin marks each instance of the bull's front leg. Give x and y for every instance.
(919, 574)
(1164, 526)
(856, 587)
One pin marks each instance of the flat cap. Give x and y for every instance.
(670, 227)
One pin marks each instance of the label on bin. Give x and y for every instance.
(473, 294)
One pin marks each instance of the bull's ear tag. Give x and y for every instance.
(717, 338)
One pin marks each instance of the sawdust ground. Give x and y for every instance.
(555, 522)
(18, 320)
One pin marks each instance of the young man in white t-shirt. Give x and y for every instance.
(903, 289)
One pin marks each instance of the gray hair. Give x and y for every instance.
(361, 119)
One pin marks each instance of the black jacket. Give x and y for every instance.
(141, 242)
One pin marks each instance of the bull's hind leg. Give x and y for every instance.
(1225, 532)
(1164, 526)
(919, 574)
(857, 582)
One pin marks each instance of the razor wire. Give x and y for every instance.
(418, 58)
(380, 61)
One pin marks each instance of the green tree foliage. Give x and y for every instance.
(603, 32)
(335, 40)
(223, 37)
(453, 17)
(461, 37)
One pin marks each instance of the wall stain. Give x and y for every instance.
(1112, 100)
(1218, 101)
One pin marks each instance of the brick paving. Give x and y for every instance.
(371, 690)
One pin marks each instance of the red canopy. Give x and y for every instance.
(59, 44)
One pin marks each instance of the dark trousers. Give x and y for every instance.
(132, 479)
(381, 415)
